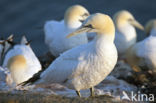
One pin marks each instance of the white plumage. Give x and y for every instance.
(56, 31)
(125, 35)
(144, 52)
(21, 62)
(87, 65)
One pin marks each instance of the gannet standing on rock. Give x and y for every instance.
(125, 35)
(21, 62)
(56, 32)
(144, 52)
(85, 66)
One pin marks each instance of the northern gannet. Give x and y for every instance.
(56, 31)
(143, 53)
(84, 66)
(21, 62)
(125, 35)
(4, 46)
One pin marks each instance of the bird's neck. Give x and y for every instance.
(153, 32)
(73, 25)
(102, 40)
(126, 29)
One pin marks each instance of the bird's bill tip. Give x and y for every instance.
(137, 25)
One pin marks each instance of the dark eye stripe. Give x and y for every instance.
(130, 19)
(89, 26)
(85, 14)
(81, 21)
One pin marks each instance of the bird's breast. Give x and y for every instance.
(93, 70)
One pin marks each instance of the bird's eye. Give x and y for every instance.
(89, 26)
(84, 17)
(81, 21)
(130, 19)
(85, 14)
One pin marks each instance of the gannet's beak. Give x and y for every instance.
(137, 24)
(82, 29)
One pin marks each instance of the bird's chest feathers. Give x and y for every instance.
(102, 57)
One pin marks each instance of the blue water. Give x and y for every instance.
(23, 17)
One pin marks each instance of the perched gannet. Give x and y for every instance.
(125, 35)
(56, 31)
(4, 46)
(21, 62)
(86, 65)
(143, 53)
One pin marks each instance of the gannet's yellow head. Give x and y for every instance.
(99, 23)
(17, 63)
(75, 15)
(150, 25)
(124, 17)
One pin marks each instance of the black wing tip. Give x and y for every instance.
(32, 80)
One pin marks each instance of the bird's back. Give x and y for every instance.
(79, 63)
(146, 50)
(64, 65)
(51, 29)
(27, 52)
(55, 37)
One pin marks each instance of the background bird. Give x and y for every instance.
(21, 62)
(85, 66)
(143, 53)
(125, 35)
(4, 46)
(56, 31)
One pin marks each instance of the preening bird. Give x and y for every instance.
(56, 31)
(84, 66)
(143, 53)
(21, 62)
(125, 35)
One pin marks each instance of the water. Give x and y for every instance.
(23, 17)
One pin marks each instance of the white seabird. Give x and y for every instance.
(143, 53)
(21, 62)
(56, 31)
(84, 66)
(125, 35)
